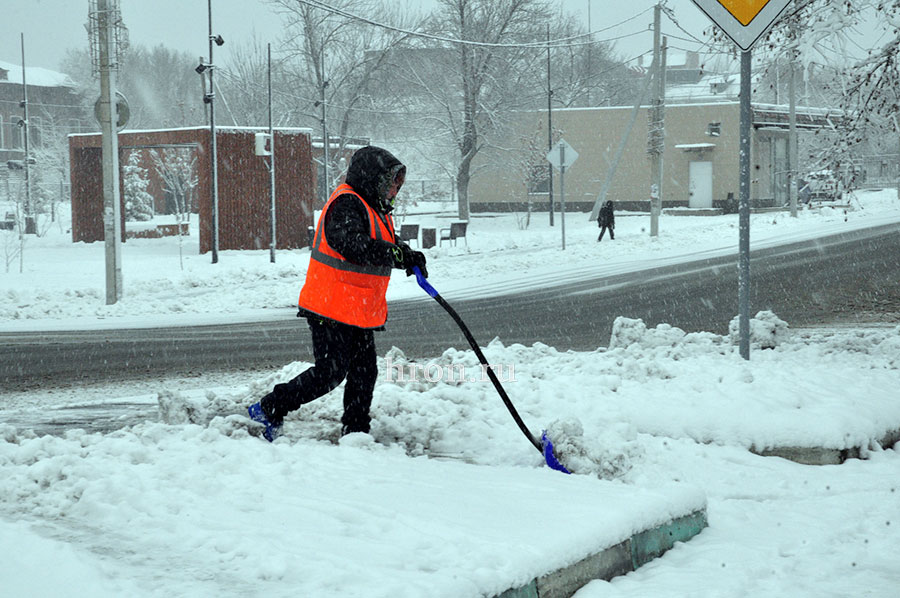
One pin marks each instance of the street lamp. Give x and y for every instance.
(208, 98)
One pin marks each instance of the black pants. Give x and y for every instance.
(341, 351)
(603, 229)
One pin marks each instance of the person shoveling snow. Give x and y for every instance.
(343, 299)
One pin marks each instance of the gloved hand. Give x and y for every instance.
(409, 259)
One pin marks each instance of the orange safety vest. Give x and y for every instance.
(341, 290)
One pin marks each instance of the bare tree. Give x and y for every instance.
(177, 166)
(330, 55)
(244, 81)
(484, 78)
(820, 34)
(160, 84)
(14, 239)
(585, 72)
(50, 171)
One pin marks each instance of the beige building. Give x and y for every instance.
(700, 159)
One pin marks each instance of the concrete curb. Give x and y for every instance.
(638, 550)
(823, 456)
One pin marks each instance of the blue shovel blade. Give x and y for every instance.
(549, 457)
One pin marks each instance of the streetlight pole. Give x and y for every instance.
(590, 64)
(30, 225)
(549, 131)
(213, 159)
(271, 159)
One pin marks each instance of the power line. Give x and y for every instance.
(34, 103)
(557, 43)
(671, 15)
(709, 52)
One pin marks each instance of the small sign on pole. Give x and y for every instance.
(562, 155)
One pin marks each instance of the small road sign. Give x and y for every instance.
(744, 21)
(562, 155)
(123, 111)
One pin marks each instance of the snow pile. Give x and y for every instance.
(609, 453)
(594, 405)
(766, 330)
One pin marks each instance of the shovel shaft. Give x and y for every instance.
(490, 371)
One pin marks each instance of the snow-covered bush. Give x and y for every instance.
(138, 202)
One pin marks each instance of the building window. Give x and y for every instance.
(714, 129)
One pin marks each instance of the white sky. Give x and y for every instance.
(183, 25)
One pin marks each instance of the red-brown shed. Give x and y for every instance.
(243, 190)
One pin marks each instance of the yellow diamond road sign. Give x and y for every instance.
(744, 21)
(744, 10)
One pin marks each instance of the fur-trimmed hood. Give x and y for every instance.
(372, 170)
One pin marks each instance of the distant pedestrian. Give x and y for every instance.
(606, 220)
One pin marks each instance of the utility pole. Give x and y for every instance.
(897, 131)
(549, 130)
(590, 63)
(30, 224)
(656, 141)
(271, 162)
(793, 153)
(108, 20)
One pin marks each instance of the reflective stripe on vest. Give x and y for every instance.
(343, 291)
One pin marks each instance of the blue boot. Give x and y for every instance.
(257, 414)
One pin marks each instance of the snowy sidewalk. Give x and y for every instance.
(162, 510)
(182, 510)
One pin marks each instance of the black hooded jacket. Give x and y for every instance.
(347, 222)
(606, 217)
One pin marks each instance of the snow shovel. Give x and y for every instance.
(544, 446)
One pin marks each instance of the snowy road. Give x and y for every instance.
(824, 280)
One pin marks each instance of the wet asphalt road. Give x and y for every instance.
(847, 277)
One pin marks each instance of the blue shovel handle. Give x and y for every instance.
(545, 446)
(423, 282)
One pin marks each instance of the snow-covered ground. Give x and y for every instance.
(446, 498)
(63, 284)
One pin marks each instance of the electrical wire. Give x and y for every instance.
(671, 15)
(557, 43)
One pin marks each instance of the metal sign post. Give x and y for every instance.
(562, 155)
(744, 21)
(744, 210)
